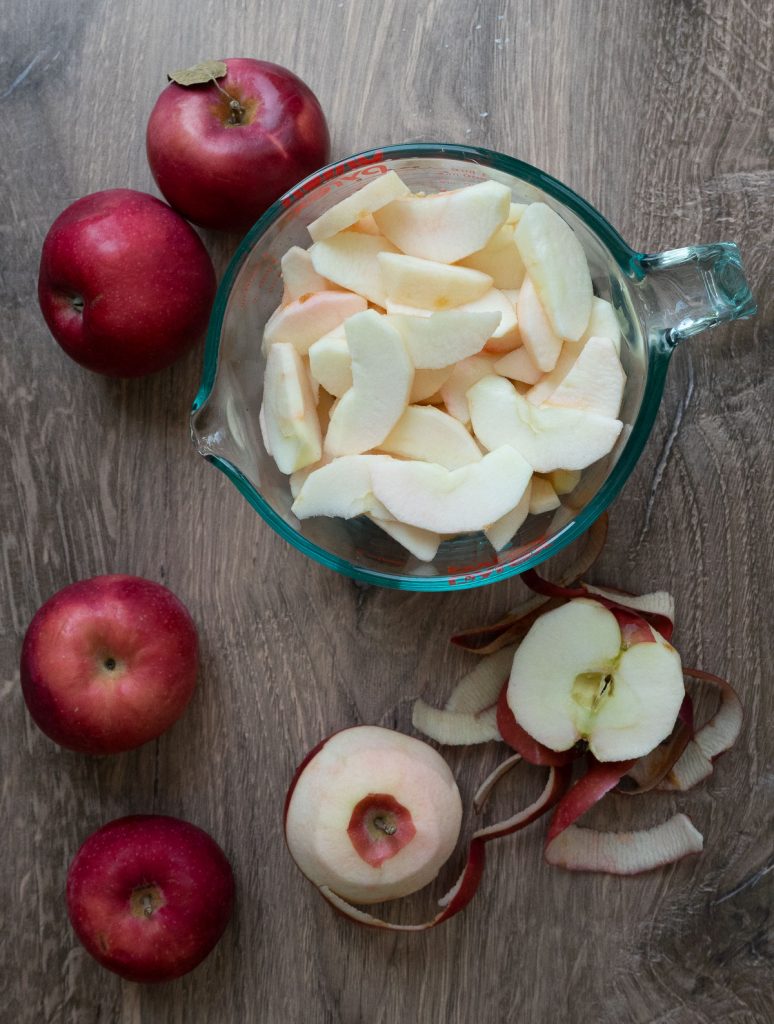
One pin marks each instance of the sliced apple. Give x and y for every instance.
(299, 276)
(422, 544)
(596, 381)
(448, 226)
(371, 197)
(306, 319)
(350, 260)
(289, 414)
(515, 213)
(538, 337)
(401, 309)
(574, 679)
(543, 497)
(506, 336)
(428, 285)
(518, 366)
(547, 438)
(367, 225)
(427, 383)
(501, 533)
(330, 362)
(452, 501)
(342, 487)
(603, 323)
(429, 435)
(442, 339)
(382, 376)
(500, 259)
(564, 481)
(372, 814)
(264, 429)
(464, 375)
(557, 266)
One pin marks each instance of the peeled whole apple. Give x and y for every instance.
(125, 284)
(372, 814)
(222, 166)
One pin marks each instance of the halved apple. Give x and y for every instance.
(540, 340)
(452, 501)
(289, 416)
(448, 226)
(382, 375)
(422, 544)
(557, 266)
(518, 366)
(306, 319)
(428, 285)
(330, 362)
(429, 435)
(442, 339)
(464, 375)
(547, 438)
(595, 382)
(500, 259)
(372, 196)
(427, 383)
(349, 259)
(574, 678)
(342, 487)
(372, 814)
(299, 276)
(501, 533)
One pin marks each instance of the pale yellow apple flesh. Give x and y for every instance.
(500, 259)
(429, 435)
(306, 319)
(518, 365)
(428, 285)
(542, 343)
(595, 383)
(442, 339)
(350, 260)
(371, 197)
(289, 418)
(299, 276)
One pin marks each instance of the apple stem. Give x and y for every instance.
(385, 826)
(77, 303)
(237, 110)
(147, 905)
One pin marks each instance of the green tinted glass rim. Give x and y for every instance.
(624, 255)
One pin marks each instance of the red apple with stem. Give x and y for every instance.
(109, 663)
(125, 284)
(149, 896)
(223, 150)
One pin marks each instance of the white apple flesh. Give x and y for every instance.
(289, 417)
(350, 261)
(371, 197)
(428, 383)
(428, 285)
(372, 815)
(330, 362)
(500, 259)
(595, 383)
(573, 678)
(518, 365)
(341, 488)
(462, 378)
(306, 319)
(539, 338)
(299, 276)
(422, 544)
(429, 435)
(442, 339)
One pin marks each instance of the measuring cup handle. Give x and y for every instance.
(694, 288)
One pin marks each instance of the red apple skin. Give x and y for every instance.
(74, 693)
(222, 175)
(125, 284)
(189, 887)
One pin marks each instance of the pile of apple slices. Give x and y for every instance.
(439, 364)
(596, 679)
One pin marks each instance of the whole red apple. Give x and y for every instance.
(125, 284)
(149, 896)
(222, 165)
(109, 663)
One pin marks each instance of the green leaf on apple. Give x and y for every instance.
(199, 74)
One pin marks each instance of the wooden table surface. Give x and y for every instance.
(660, 112)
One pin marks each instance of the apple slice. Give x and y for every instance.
(427, 383)
(448, 226)
(289, 414)
(299, 276)
(304, 320)
(603, 323)
(557, 266)
(349, 260)
(518, 366)
(547, 438)
(501, 533)
(342, 487)
(422, 544)
(429, 435)
(264, 430)
(372, 814)
(564, 481)
(574, 678)
(428, 285)
(367, 225)
(330, 362)
(401, 309)
(596, 381)
(538, 337)
(452, 501)
(500, 259)
(371, 197)
(442, 339)
(464, 375)
(382, 376)
(543, 497)
(506, 336)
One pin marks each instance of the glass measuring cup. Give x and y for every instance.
(660, 300)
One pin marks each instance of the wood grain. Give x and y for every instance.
(660, 113)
